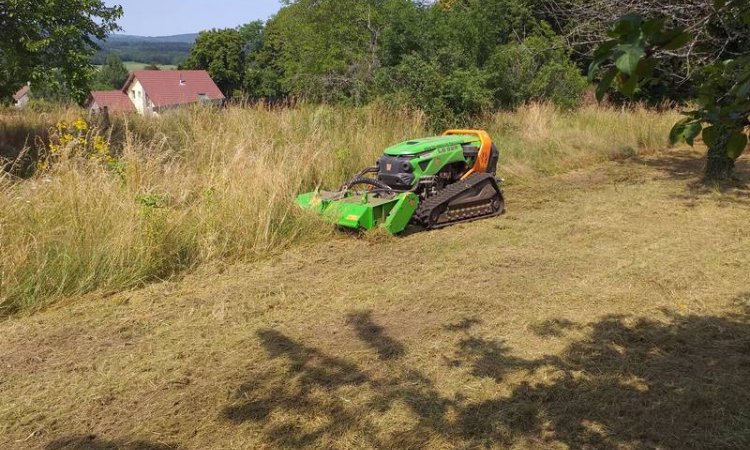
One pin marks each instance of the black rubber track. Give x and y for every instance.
(442, 198)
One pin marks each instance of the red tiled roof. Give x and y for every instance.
(115, 101)
(176, 87)
(21, 92)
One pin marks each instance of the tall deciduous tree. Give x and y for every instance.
(582, 23)
(112, 75)
(222, 54)
(39, 36)
(637, 44)
(325, 50)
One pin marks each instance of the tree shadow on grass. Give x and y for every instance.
(372, 334)
(553, 327)
(683, 382)
(644, 383)
(91, 442)
(689, 167)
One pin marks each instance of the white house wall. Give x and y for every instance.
(138, 96)
(22, 102)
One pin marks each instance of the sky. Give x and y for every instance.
(169, 17)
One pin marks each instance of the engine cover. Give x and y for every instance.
(396, 171)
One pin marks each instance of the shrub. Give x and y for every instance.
(536, 69)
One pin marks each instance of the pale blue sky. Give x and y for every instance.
(168, 17)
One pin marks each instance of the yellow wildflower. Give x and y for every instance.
(80, 125)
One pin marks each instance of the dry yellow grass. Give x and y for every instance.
(207, 185)
(608, 309)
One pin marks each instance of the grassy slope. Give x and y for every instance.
(608, 308)
(223, 184)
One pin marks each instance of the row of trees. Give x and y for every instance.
(450, 58)
(162, 53)
(455, 58)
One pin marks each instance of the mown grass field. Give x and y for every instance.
(132, 65)
(609, 308)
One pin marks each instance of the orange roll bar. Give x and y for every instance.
(485, 151)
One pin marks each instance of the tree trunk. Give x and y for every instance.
(719, 166)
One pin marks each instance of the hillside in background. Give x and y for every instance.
(161, 50)
(178, 38)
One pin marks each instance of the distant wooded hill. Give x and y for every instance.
(162, 50)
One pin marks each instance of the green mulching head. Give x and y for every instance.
(362, 210)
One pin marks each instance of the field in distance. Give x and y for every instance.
(134, 65)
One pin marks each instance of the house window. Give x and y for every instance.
(203, 98)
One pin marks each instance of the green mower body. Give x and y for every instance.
(413, 174)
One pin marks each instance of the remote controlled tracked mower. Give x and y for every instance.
(433, 182)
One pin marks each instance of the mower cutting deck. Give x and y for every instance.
(432, 182)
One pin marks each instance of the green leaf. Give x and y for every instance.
(603, 53)
(626, 25)
(593, 69)
(746, 17)
(710, 136)
(675, 135)
(646, 68)
(653, 26)
(736, 144)
(605, 49)
(741, 89)
(718, 4)
(603, 86)
(628, 61)
(679, 41)
(685, 130)
(691, 131)
(628, 87)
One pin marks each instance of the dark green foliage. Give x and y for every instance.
(111, 75)
(222, 54)
(712, 37)
(451, 59)
(323, 51)
(537, 68)
(723, 85)
(51, 42)
(252, 35)
(147, 52)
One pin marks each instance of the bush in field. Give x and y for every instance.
(112, 75)
(537, 68)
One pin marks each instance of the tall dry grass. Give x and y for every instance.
(199, 185)
(539, 140)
